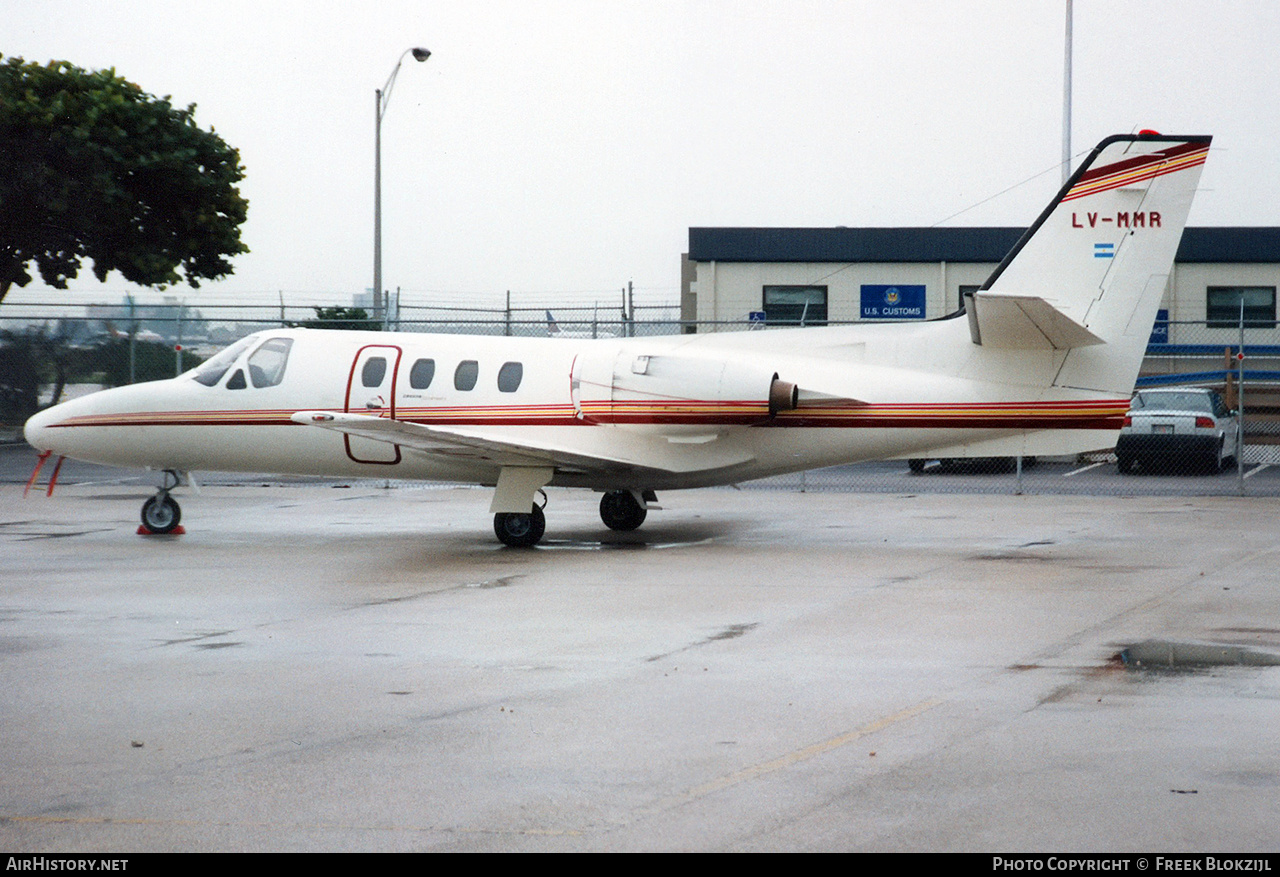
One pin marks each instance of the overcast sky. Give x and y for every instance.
(563, 148)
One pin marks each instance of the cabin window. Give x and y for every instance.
(509, 377)
(375, 369)
(236, 381)
(464, 378)
(421, 374)
(266, 365)
(209, 373)
(1222, 306)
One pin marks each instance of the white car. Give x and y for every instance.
(1178, 425)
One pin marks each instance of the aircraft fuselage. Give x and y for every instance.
(705, 421)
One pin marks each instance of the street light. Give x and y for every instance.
(383, 96)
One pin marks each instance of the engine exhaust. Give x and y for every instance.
(783, 396)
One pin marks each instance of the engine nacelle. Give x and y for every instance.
(631, 388)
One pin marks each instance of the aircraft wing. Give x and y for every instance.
(500, 450)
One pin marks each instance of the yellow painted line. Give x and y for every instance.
(791, 758)
(699, 791)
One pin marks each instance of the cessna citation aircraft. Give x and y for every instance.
(1041, 361)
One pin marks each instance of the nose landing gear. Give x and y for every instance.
(160, 513)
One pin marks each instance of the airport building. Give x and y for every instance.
(817, 276)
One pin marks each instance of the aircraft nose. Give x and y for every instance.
(37, 431)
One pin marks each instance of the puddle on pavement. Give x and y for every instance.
(1171, 656)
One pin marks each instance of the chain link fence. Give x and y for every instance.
(1205, 418)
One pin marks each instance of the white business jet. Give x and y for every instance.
(1042, 361)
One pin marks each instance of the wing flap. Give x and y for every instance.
(452, 442)
(627, 451)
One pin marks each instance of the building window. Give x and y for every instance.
(1222, 306)
(509, 377)
(795, 305)
(464, 378)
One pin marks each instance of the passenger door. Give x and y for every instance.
(371, 389)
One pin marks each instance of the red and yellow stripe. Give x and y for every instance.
(1091, 414)
(1138, 169)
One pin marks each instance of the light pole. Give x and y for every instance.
(1066, 103)
(383, 96)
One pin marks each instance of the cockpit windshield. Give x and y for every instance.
(266, 364)
(210, 372)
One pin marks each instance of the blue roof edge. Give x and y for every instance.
(1210, 244)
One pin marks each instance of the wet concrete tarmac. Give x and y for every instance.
(321, 668)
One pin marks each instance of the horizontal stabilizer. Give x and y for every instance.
(1024, 322)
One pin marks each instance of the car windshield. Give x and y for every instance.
(1171, 402)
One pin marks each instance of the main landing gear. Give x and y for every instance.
(619, 509)
(161, 513)
(519, 530)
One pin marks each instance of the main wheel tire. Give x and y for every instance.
(520, 531)
(1213, 464)
(620, 511)
(161, 514)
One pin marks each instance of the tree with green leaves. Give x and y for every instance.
(342, 318)
(92, 167)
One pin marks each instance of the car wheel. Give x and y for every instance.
(1213, 463)
(1125, 464)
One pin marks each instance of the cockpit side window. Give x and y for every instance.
(209, 373)
(266, 365)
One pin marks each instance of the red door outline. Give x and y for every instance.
(368, 450)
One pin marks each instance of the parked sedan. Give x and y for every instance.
(1173, 426)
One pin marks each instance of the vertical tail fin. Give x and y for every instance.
(1088, 276)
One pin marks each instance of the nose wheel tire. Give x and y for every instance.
(161, 514)
(519, 530)
(620, 511)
